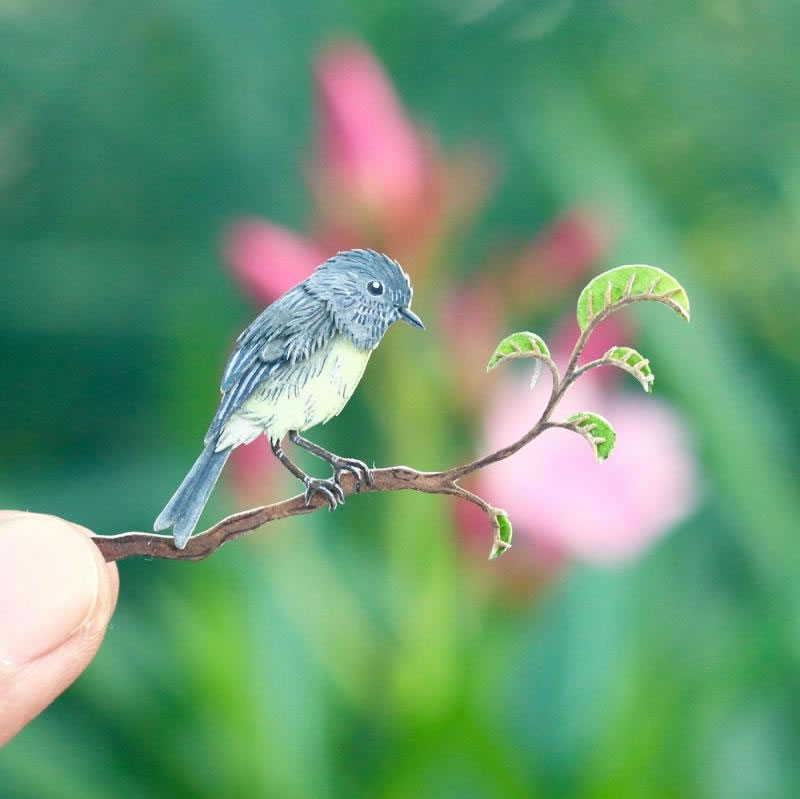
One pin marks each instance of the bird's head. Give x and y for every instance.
(366, 292)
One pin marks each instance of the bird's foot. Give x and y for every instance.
(330, 490)
(360, 471)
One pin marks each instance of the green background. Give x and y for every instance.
(362, 653)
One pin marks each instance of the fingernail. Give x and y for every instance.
(49, 582)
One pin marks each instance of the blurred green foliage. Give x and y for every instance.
(363, 653)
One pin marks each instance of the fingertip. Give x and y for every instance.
(108, 588)
(108, 571)
(57, 595)
(53, 583)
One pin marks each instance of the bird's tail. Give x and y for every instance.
(183, 510)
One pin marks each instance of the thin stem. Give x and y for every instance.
(551, 365)
(590, 365)
(562, 425)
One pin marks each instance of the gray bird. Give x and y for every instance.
(296, 366)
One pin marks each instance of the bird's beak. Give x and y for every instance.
(407, 315)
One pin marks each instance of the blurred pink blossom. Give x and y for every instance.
(269, 259)
(377, 181)
(560, 498)
(566, 248)
(369, 155)
(553, 261)
(378, 177)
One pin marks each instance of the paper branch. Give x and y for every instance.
(604, 295)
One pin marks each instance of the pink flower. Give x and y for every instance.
(567, 247)
(378, 178)
(559, 497)
(377, 181)
(555, 259)
(369, 153)
(269, 259)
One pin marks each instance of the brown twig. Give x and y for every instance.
(396, 478)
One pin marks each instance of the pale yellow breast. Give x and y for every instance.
(307, 394)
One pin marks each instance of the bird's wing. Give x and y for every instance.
(292, 329)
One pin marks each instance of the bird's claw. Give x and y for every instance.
(359, 470)
(330, 490)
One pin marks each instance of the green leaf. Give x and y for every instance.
(521, 345)
(502, 533)
(625, 284)
(633, 363)
(596, 430)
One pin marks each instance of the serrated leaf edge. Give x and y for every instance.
(536, 341)
(574, 423)
(628, 295)
(645, 380)
(499, 544)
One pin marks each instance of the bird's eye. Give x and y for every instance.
(375, 287)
